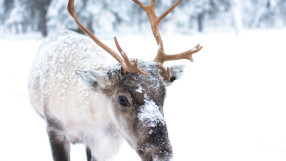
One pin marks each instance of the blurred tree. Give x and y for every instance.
(236, 15)
(26, 14)
(107, 15)
(200, 12)
(6, 6)
(15, 18)
(38, 11)
(264, 13)
(282, 11)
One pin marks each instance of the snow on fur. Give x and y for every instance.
(53, 56)
(150, 114)
(139, 90)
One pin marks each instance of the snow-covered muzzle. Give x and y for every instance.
(157, 146)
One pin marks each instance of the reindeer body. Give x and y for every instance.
(74, 110)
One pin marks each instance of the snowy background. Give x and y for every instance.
(230, 105)
(105, 16)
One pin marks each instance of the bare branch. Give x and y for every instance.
(184, 55)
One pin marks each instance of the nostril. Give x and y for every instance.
(151, 152)
(162, 154)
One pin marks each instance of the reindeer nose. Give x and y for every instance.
(164, 153)
(156, 153)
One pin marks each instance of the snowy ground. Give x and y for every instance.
(229, 106)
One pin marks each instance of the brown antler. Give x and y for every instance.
(154, 21)
(125, 62)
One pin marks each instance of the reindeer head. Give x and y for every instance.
(137, 105)
(137, 90)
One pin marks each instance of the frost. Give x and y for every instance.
(158, 46)
(122, 52)
(150, 114)
(139, 90)
(58, 59)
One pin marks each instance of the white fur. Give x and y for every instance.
(55, 91)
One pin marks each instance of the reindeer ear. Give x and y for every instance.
(176, 73)
(100, 80)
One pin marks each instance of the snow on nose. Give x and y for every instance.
(149, 114)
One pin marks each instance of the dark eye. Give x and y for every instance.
(123, 101)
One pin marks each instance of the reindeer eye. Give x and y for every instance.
(123, 101)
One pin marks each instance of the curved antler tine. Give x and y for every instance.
(125, 62)
(198, 47)
(72, 12)
(185, 55)
(140, 4)
(166, 72)
(170, 10)
(136, 62)
(135, 65)
(189, 54)
(129, 66)
(135, 68)
(124, 56)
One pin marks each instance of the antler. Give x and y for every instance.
(154, 21)
(125, 62)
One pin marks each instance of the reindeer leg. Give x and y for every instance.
(59, 145)
(89, 155)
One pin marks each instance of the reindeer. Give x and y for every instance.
(86, 99)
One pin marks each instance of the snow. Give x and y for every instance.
(60, 46)
(149, 114)
(65, 46)
(229, 105)
(139, 90)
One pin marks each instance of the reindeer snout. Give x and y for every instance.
(163, 153)
(157, 146)
(156, 153)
